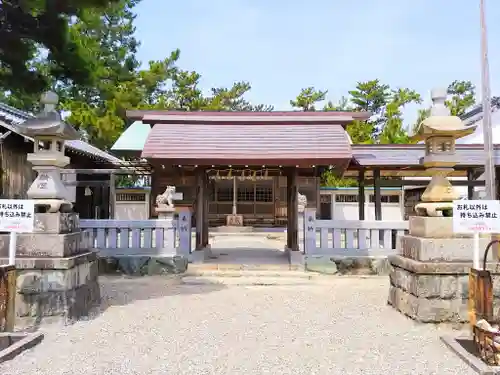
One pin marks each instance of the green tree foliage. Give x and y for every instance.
(393, 131)
(462, 96)
(32, 30)
(423, 113)
(308, 98)
(386, 124)
(98, 109)
(342, 105)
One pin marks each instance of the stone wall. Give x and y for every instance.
(62, 289)
(435, 292)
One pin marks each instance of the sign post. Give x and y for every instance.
(476, 217)
(16, 216)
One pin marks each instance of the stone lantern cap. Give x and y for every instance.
(49, 122)
(441, 122)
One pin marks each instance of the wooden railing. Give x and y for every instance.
(350, 237)
(7, 298)
(130, 237)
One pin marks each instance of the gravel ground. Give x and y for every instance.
(156, 326)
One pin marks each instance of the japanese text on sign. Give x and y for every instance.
(478, 216)
(17, 215)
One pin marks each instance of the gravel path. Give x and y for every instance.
(155, 326)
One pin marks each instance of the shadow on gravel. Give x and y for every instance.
(120, 291)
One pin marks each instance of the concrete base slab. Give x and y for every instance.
(14, 343)
(197, 257)
(464, 347)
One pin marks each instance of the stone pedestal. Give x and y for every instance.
(429, 277)
(167, 214)
(57, 276)
(178, 259)
(234, 220)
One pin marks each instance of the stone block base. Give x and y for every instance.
(433, 227)
(64, 306)
(56, 223)
(45, 244)
(143, 265)
(56, 289)
(433, 292)
(441, 249)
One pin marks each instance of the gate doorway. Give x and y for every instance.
(248, 250)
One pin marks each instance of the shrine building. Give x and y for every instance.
(252, 164)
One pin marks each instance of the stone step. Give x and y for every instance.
(210, 267)
(249, 273)
(245, 280)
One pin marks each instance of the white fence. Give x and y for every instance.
(139, 237)
(350, 237)
(173, 236)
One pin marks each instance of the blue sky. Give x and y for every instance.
(282, 46)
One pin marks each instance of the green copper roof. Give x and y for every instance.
(132, 139)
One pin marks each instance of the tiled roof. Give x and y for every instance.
(9, 117)
(409, 155)
(240, 117)
(248, 144)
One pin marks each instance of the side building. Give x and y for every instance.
(89, 192)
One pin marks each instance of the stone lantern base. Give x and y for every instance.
(57, 275)
(430, 276)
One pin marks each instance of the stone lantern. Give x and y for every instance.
(439, 132)
(49, 132)
(57, 268)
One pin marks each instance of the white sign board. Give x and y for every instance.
(17, 215)
(476, 216)
(177, 196)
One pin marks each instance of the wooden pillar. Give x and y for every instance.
(292, 209)
(205, 209)
(97, 202)
(361, 194)
(276, 199)
(199, 208)
(155, 190)
(376, 194)
(112, 195)
(470, 187)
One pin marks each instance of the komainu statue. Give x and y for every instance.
(301, 202)
(166, 199)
